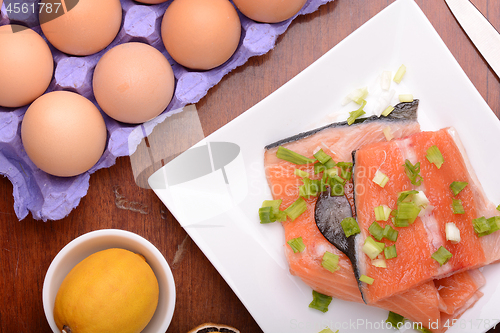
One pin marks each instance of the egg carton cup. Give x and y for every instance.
(49, 197)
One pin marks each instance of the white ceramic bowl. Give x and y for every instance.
(98, 240)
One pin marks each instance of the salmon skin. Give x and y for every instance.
(423, 303)
(419, 241)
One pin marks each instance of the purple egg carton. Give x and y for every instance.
(52, 198)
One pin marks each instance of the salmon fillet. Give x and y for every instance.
(416, 243)
(428, 302)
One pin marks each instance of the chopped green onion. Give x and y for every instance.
(452, 233)
(456, 187)
(332, 172)
(366, 279)
(400, 222)
(337, 189)
(423, 329)
(330, 164)
(318, 167)
(345, 170)
(407, 211)
(498, 207)
(296, 244)
(388, 133)
(390, 233)
(266, 215)
(372, 248)
(293, 157)
(376, 231)
(406, 196)
(399, 74)
(353, 115)
(420, 199)
(380, 179)
(434, 156)
(442, 255)
(379, 262)
(358, 95)
(320, 302)
(483, 226)
(330, 261)
(296, 209)
(338, 179)
(350, 226)
(301, 173)
(390, 252)
(413, 172)
(382, 213)
(406, 98)
(388, 111)
(457, 206)
(322, 157)
(310, 187)
(396, 320)
(271, 215)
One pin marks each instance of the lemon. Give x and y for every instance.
(110, 291)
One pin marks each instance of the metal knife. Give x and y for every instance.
(484, 35)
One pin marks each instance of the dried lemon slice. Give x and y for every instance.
(211, 327)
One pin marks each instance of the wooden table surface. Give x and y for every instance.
(27, 247)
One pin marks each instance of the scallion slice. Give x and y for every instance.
(483, 226)
(330, 261)
(413, 172)
(350, 226)
(328, 330)
(366, 279)
(498, 207)
(407, 211)
(296, 244)
(310, 187)
(353, 115)
(301, 173)
(456, 187)
(434, 156)
(318, 167)
(379, 262)
(396, 320)
(400, 222)
(400, 73)
(293, 157)
(390, 233)
(296, 209)
(372, 248)
(382, 213)
(266, 215)
(388, 133)
(337, 189)
(376, 231)
(388, 111)
(320, 302)
(338, 179)
(330, 164)
(442, 255)
(322, 157)
(457, 206)
(406, 98)
(423, 330)
(390, 252)
(452, 233)
(332, 172)
(345, 170)
(380, 179)
(406, 196)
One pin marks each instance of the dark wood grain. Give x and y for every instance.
(27, 247)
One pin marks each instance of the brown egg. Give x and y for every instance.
(269, 11)
(26, 66)
(133, 82)
(87, 28)
(201, 34)
(63, 133)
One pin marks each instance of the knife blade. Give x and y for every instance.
(480, 31)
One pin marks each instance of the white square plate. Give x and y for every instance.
(249, 255)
